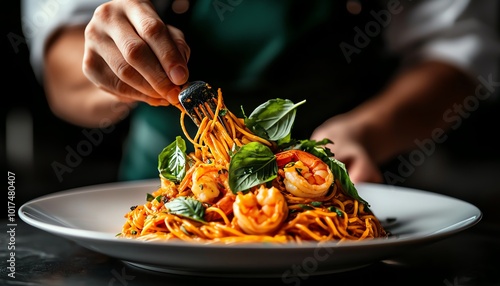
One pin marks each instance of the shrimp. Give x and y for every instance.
(261, 212)
(211, 186)
(167, 188)
(208, 180)
(305, 175)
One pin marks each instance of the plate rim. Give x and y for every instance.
(77, 234)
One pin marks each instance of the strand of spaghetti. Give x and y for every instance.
(254, 238)
(237, 121)
(369, 216)
(210, 141)
(194, 157)
(217, 147)
(127, 228)
(220, 212)
(348, 204)
(184, 130)
(245, 140)
(187, 178)
(323, 213)
(241, 121)
(244, 130)
(228, 131)
(238, 142)
(317, 214)
(146, 228)
(229, 229)
(342, 225)
(317, 221)
(203, 130)
(241, 127)
(221, 149)
(191, 228)
(367, 231)
(202, 153)
(223, 136)
(355, 210)
(139, 217)
(375, 226)
(219, 105)
(333, 227)
(332, 194)
(149, 226)
(331, 232)
(310, 233)
(212, 149)
(181, 108)
(300, 219)
(340, 205)
(210, 231)
(356, 227)
(354, 220)
(292, 200)
(147, 208)
(157, 236)
(171, 220)
(157, 229)
(252, 137)
(230, 125)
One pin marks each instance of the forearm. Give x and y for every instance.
(71, 96)
(411, 108)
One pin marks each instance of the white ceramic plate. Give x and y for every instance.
(92, 216)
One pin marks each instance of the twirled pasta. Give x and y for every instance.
(303, 203)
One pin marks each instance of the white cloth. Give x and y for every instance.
(41, 18)
(461, 32)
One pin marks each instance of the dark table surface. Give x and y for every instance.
(470, 257)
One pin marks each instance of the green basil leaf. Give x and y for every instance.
(253, 164)
(172, 161)
(305, 207)
(336, 210)
(186, 207)
(316, 204)
(340, 173)
(273, 120)
(158, 198)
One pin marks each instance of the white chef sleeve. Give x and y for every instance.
(460, 32)
(41, 18)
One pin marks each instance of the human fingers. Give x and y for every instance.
(359, 164)
(105, 67)
(360, 167)
(99, 45)
(348, 148)
(107, 80)
(110, 36)
(167, 43)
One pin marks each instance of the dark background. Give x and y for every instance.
(466, 165)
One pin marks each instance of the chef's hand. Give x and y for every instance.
(348, 148)
(132, 54)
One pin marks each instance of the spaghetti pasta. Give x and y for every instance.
(238, 186)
